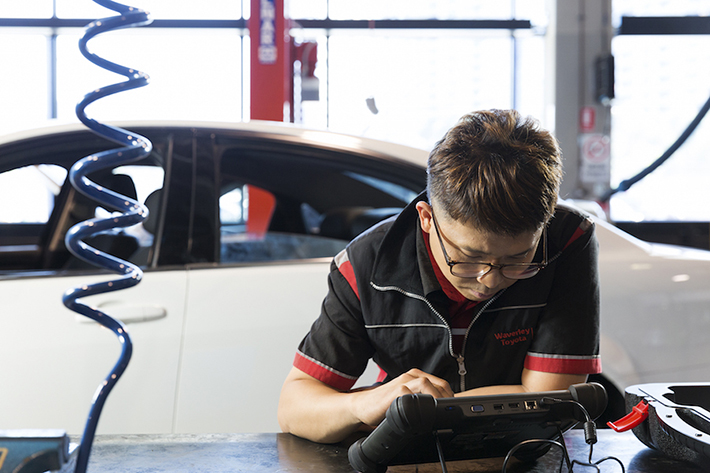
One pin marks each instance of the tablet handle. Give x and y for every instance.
(407, 416)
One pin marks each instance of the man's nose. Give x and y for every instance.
(491, 279)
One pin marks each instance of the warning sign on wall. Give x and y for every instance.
(596, 158)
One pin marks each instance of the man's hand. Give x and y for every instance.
(313, 410)
(370, 406)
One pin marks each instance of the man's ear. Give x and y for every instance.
(425, 216)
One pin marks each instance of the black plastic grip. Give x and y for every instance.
(592, 396)
(407, 416)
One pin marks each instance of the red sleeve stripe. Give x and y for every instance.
(342, 261)
(577, 233)
(321, 372)
(583, 227)
(564, 364)
(382, 376)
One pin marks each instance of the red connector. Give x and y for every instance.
(638, 414)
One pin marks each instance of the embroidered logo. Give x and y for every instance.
(517, 336)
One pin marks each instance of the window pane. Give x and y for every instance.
(530, 84)
(147, 179)
(195, 74)
(661, 84)
(26, 9)
(307, 9)
(159, 9)
(23, 83)
(406, 9)
(533, 10)
(231, 207)
(432, 79)
(28, 193)
(658, 8)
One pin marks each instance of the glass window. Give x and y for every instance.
(132, 243)
(433, 78)
(406, 9)
(27, 194)
(146, 178)
(231, 207)
(530, 84)
(159, 9)
(308, 9)
(658, 8)
(306, 205)
(26, 9)
(246, 215)
(23, 84)
(199, 79)
(661, 84)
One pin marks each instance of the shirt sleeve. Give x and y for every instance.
(567, 337)
(337, 349)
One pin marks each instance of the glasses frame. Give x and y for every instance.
(491, 266)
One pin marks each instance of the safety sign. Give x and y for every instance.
(595, 151)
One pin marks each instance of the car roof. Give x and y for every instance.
(265, 129)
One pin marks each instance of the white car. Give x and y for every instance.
(244, 221)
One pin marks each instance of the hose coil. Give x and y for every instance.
(134, 148)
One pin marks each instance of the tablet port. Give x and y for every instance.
(514, 405)
(530, 405)
(498, 407)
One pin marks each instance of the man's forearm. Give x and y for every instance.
(313, 410)
(532, 381)
(316, 412)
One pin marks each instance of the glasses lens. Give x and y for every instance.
(520, 272)
(469, 270)
(474, 270)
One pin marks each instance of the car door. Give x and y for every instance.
(53, 359)
(246, 315)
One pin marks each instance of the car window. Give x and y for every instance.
(319, 201)
(232, 208)
(147, 181)
(27, 197)
(246, 214)
(27, 193)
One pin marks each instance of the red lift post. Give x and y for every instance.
(271, 70)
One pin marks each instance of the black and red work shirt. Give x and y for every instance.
(386, 303)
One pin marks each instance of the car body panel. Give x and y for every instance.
(242, 341)
(54, 360)
(656, 309)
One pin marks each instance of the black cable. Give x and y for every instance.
(626, 184)
(590, 436)
(440, 451)
(565, 454)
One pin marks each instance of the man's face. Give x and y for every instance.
(465, 243)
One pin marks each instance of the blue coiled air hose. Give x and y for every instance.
(135, 147)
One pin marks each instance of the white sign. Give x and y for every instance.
(595, 150)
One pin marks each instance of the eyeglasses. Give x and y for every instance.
(477, 270)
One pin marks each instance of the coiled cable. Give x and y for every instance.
(134, 147)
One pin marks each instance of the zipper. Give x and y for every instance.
(462, 369)
(458, 357)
